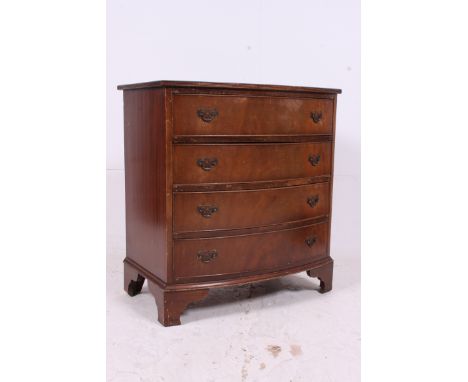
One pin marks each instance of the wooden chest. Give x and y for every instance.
(225, 184)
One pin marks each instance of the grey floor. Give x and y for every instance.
(279, 330)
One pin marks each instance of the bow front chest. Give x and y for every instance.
(225, 184)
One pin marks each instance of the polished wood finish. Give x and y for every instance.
(248, 230)
(146, 158)
(240, 209)
(228, 138)
(250, 162)
(223, 86)
(235, 115)
(133, 281)
(171, 304)
(236, 281)
(226, 184)
(324, 274)
(254, 185)
(261, 252)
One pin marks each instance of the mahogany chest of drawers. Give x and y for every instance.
(225, 184)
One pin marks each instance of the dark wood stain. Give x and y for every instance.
(241, 115)
(221, 85)
(249, 230)
(249, 253)
(251, 138)
(243, 209)
(250, 162)
(226, 184)
(145, 183)
(254, 185)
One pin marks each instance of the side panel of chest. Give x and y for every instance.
(148, 206)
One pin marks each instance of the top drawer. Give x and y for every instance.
(253, 115)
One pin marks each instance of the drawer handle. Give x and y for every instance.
(316, 116)
(207, 256)
(313, 200)
(207, 163)
(314, 159)
(207, 115)
(207, 211)
(310, 241)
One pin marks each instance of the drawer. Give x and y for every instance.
(249, 163)
(234, 115)
(264, 252)
(196, 211)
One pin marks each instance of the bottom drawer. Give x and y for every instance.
(262, 252)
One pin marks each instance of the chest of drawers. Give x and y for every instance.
(225, 184)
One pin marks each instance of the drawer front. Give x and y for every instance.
(233, 115)
(265, 252)
(248, 163)
(196, 211)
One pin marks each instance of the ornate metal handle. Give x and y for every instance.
(314, 159)
(316, 116)
(207, 211)
(207, 115)
(207, 163)
(310, 241)
(207, 256)
(313, 200)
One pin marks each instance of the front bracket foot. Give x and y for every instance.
(325, 274)
(133, 281)
(171, 304)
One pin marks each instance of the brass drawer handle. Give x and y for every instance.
(207, 163)
(310, 241)
(207, 211)
(313, 200)
(207, 115)
(314, 159)
(316, 116)
(207, 256)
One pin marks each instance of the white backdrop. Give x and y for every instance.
(305, 43)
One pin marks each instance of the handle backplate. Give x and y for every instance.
(207, 211)
(207, 115)
(207, 163)
(313, 200)
(310, 241)
(207, 256)
(314, 159)
(316, 116)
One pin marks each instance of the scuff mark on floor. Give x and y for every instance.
(244, 370)
(295, 350)
(274, 350)
(262, 365)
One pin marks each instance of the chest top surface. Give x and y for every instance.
(226, 85)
